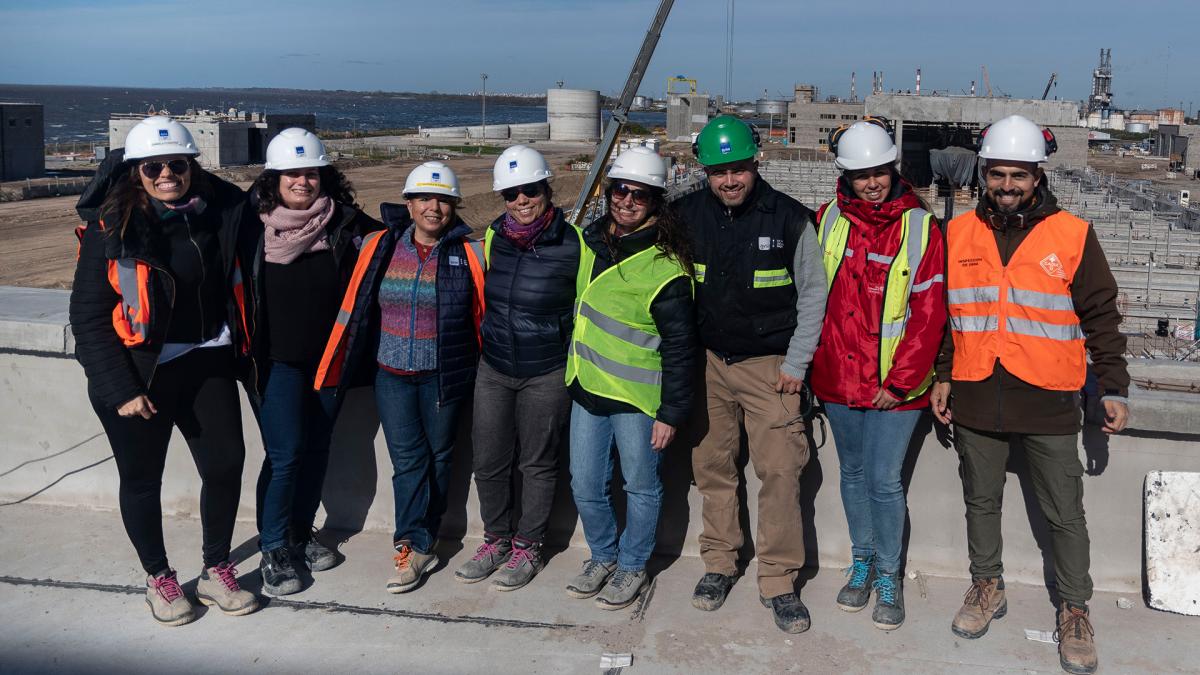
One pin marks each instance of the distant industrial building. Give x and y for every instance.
(810, 120)
(1180, 143)
(22, 141)
(686, 114)
(571, 115)
(232, 138)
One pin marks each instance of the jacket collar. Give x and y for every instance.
(553, 232)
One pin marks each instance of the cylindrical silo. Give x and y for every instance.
(573, 114)
(640, 102)
(1137, 127)
(766, 106)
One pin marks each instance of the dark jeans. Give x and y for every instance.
(296, 426)
(510, 413)
(1057, 477)
(420, 440)
(198, 394)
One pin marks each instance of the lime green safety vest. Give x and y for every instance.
(833, 233)
(614, 348)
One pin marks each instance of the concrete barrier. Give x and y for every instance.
(54, 452)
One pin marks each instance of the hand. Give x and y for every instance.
(1116, 416)
(788, 384)
(939, 400)
(661, 435)
(884, 400)
(140, 405)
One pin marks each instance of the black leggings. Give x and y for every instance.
(196, 392)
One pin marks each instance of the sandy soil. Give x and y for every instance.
(38, 241)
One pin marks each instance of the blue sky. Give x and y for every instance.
(526, 45)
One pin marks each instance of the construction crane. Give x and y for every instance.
(987, 84)
(1053, 79)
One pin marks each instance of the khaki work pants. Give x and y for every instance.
(778, 452)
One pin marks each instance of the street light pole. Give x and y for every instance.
(483, 108)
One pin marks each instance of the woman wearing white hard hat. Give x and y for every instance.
(158, 310)
(305, 229)
(521, 401)
(884, 320)
(629, 372)
(410, 321)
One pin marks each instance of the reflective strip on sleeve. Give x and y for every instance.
(927, 284)
(963, 296)
(892, 329)
(699, 267)
(975, 324)
(619, 330)
(1050, 331)
(848, 253)
(1040, 300)
(621, 370)
(771, 278)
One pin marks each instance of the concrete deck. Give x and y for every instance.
(72, 602)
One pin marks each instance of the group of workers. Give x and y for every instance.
(710, 314)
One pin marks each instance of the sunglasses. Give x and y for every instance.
(154, 169)
(621, 191)
(531, 190)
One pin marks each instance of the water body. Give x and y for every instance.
(74, 113)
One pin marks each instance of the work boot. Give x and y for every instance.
(889, 602)
(315, 555)
(168, 604)
(591, 579)
(711, 591)
(857, 591)
(523, 564)
(491, 554)
(790, 614)
(218, 586)
(983, 602)
(411, 565)
(622, 589)
(278, 574)
(1076, 648)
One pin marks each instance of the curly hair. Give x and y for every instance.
(333, 183)
(128, 196)
(672, 240)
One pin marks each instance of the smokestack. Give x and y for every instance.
(918, 81)
(853, 94)
(881, 81)
(972, 87)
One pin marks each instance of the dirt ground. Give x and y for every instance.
(37, 241)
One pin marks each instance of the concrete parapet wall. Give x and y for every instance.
(54, 452)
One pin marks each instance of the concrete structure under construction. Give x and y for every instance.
(1179, 143)
(686, 114)
(809, 122)
(573, 114)
(233, 138)
(22, 141)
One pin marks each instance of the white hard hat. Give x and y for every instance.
(432, 178)
(640, 164)
(864, 145)
(159, 135)
(295, 148)
(519, 165)
(1014, 138)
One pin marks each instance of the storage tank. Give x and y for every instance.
(767, 106)
(1137, 127)
(640, 102)
(533, 131)
(573, 114)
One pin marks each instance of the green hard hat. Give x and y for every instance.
(725, 139)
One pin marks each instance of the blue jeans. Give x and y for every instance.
(420, 440)
(296, 426)
(591, 474)
(871, 445)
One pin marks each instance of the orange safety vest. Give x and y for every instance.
(333, 360)
(1020, 313)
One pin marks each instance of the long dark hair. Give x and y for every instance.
(128, 197)
(333, 183)
(672, 240)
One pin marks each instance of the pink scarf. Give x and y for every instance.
(291, 232)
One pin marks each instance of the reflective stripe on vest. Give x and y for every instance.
(614, 347)
(130, 278)
(771, 278)
(833, 234)
(699, 272)
(1020, 313)
(329, 370)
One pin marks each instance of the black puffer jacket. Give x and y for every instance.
(117, 373)
(674, 317)
(530, 300)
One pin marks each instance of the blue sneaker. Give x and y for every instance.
(889, 602)
(857, 591)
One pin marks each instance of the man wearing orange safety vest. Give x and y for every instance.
(1030, 295)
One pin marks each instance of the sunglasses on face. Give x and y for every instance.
(154, 169)
(531, 190)
(621, 191)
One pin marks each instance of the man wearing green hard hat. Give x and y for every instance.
(760, 302)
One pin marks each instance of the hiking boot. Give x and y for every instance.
(218, 586)
(857, 591)
(983, 602)
(411, 565)
(711, 591)
(491, 554)
(168, 604)
(591, 579)
(316, 556)
(1076, 648)
(889, 602)
(622, 589)
(790, 614)
(278, 574)
(523, 564)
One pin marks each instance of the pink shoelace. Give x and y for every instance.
(520, 555)
(167, 587)
(486, 549)
(227, 573)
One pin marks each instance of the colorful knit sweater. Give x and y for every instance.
(408, 309)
